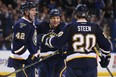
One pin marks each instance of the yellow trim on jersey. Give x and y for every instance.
(79, 55)
(63, 69)
(23, 56)
(5, 73)
(18, 58)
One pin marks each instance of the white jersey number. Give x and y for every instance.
(82, 43)
(20, 36)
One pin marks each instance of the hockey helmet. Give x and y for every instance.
(55, 12)
(81, 10)
(27, 6)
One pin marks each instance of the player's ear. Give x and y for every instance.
(75, 16)
(26, 12)
(50, 20)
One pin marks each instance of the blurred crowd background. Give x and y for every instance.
(102, 12)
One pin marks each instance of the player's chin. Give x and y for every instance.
(33, 18)
(56, 24)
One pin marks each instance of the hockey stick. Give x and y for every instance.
(106, 67)
(20, 69)
(8, 37)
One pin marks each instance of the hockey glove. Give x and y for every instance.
(33, 57)
(105, 59)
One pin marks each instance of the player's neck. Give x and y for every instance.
(51, 26)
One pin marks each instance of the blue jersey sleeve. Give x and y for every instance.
(61, 38)
(102, 40)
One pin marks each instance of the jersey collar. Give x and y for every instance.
(82, 20)
(26, 19)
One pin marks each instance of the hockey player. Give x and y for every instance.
(52, 66)
(81, 36)
(24, 51)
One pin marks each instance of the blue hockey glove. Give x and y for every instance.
(34, 57)
(105, 59)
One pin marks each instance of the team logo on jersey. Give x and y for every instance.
(52, 34)
(35, 38)
(60, 34)
(22, 25)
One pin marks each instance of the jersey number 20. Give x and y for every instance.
(82, 43)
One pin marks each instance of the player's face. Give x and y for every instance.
(55, 21)
(32, 13)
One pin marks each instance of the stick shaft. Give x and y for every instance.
(20, 69)
(109, 72)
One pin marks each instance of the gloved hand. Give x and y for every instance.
(105, 59)
(34, 57)
(45, 54)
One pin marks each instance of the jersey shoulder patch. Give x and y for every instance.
(22, 25)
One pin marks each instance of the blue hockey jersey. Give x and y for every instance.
(24, 39)
(43, 28)
(81, 37)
